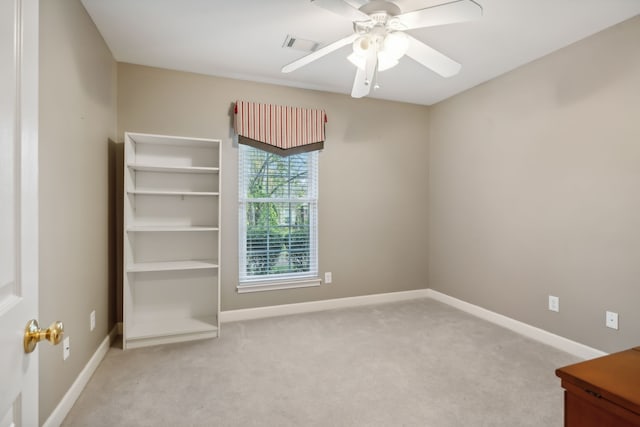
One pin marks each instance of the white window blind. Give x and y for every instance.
(277, 216)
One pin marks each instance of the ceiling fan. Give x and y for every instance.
(379, 39)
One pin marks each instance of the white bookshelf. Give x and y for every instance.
(171, 239)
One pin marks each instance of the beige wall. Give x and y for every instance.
(77, 116)
(535, 190)
(373, 176)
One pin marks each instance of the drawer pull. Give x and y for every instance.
(593, 393)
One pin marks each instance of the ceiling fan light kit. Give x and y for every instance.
(389, 49)
(379, 40)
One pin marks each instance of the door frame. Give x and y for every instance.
(27, 109)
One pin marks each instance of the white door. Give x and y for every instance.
(18, 209)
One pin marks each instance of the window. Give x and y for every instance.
(277, 219)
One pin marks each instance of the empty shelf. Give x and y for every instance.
(171, 266)
(174, 169)
(163, 228)
(172, 193)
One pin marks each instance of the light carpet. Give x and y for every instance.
(416, 363)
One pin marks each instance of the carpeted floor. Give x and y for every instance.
(417, 363)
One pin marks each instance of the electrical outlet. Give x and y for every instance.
(66, 348)
(327, 277)
(554, 303)
(611, 320)
(92, 320)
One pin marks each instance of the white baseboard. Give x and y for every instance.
(60, 412)
(312, 306)
(556, 341)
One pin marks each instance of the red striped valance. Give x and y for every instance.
(279, 129)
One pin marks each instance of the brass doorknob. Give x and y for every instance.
(33, 334)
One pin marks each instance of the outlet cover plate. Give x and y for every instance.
(327, 277)
(554, 303)
(612, 320)
(92, 320)
(66, 348)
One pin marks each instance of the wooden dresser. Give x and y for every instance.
(603, 392)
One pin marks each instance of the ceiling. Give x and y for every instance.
(243, 39)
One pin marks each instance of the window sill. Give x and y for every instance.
(247, 287)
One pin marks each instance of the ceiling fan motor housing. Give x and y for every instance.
(376, 6)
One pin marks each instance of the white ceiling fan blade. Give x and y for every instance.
(325, 50)
(447, 13)
(360, 89)
(365, 77)
(431, 58)
(371, 65)
(343, 9)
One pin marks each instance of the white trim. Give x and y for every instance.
(247, 287)
(245, 155)
(27, 128)
(62, 410)
(561, 343)
(313, 306)
(556, 341)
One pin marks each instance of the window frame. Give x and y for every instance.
(253, 283)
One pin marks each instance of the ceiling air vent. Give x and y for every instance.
(292, 42)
